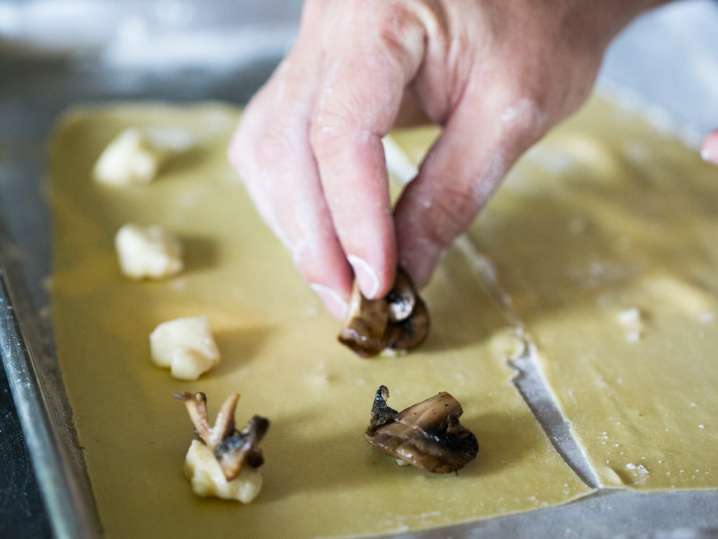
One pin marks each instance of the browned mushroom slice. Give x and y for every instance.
(427, 435)
(232, 448)
(397, 322)
(366, 324)
(381, 412)
(411, 332)
(196, 405)
(401, 298)
(224, 422)
(241, 448)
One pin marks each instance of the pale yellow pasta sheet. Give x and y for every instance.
(605, 240)
(279, 351)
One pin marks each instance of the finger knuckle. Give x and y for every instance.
(555, 83)
(392, 20)
(531, 92)
(327, 132)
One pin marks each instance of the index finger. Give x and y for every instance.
(360, 97)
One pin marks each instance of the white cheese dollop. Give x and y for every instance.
(131, 158)
(135, 156)
(185, 346)
(205, 475)
(148, 252)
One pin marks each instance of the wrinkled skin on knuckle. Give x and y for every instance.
(401, 33)
(525, 111)
(450, 51)
(430, 42)
(392, 19)
(547, 57)
(327, 136)
(537, 94)
(349, 98)
(339, 111)
(535, 67)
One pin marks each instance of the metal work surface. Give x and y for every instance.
(54, 54)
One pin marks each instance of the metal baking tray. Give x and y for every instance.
(55, 54)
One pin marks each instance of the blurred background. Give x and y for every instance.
(54, 53)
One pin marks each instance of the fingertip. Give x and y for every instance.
(709, 150)
(355, 185)
(333, 300)
(326, 271)
(419, 259)
(374, 279)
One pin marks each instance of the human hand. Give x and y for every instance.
(709, 150)
(495, 74)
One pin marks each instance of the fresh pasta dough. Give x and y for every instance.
(605, 241)
(278, 350)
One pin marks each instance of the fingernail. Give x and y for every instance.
(332, 300)
(368, 281)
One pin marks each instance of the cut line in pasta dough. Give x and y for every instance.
(521, 354)
(278, 352)
(621, 218)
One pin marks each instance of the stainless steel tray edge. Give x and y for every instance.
(57, 458)
(36, 382)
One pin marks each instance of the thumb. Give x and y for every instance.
(481, 141)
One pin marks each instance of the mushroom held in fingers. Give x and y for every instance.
(401, 298)
(223, 461)
(409, 333)
(366, 324)
(394, 324)
(427, 435)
